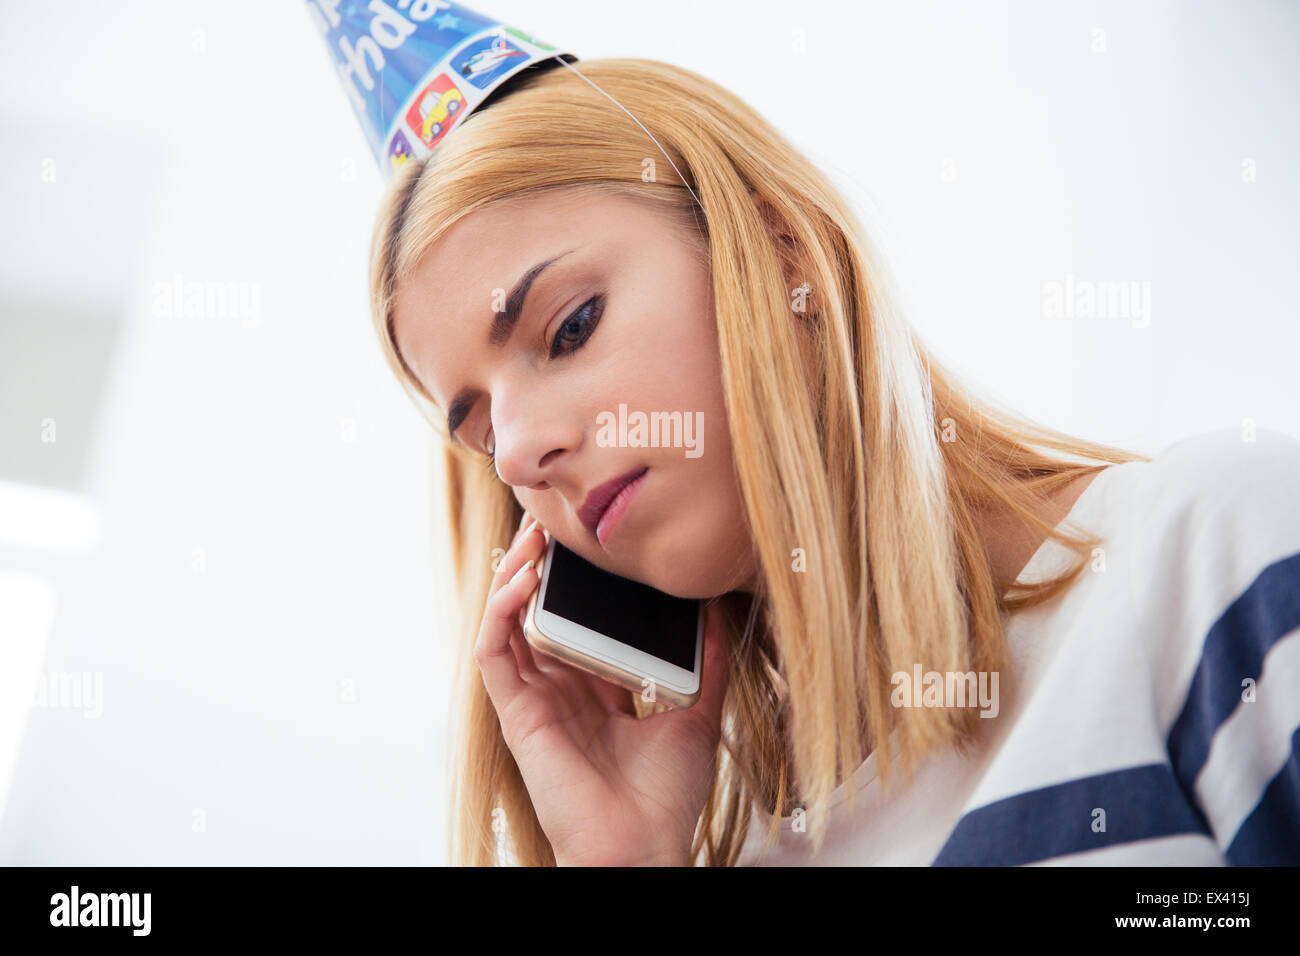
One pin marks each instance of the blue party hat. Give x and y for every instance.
(414, 69)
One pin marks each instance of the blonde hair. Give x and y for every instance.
(850, 442)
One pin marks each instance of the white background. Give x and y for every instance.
(993, 146)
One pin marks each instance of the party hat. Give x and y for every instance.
(414, 69)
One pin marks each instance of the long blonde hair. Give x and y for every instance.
(851, 443)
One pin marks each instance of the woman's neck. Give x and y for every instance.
(1010, 541)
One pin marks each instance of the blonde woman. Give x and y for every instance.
(868, 533)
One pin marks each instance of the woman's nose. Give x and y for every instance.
(529, 438)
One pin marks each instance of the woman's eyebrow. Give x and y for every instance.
(501, 327)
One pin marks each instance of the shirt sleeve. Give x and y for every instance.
(1229, 580)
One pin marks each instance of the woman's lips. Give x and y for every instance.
(618, 507)
(599, 498)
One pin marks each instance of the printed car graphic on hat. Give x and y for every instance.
(434, 110)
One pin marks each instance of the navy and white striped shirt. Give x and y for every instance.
(1153, 710)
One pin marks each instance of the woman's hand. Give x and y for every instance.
(608, 788)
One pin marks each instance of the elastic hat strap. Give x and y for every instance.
(594, 86)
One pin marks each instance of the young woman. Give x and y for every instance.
(859, 521)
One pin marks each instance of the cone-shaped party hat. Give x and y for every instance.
(414, 69)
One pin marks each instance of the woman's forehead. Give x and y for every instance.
(497, 242)
(492, 247)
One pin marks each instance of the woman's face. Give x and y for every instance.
(616, 326)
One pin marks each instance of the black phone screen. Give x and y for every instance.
(628, 611)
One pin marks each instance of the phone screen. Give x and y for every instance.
(627, 611)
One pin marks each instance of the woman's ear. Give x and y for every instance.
(793, 261)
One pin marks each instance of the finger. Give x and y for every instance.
(537, 660)
(530, 547)
(527, 545)
(613, 697)
(523, 654)
(549, 664)
(495, 657)
(525, 522)
(526, 655)
(573, 680)
(499, 575)
(519, 533)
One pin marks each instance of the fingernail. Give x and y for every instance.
(529, 529)
(520, 572)
(523, 520)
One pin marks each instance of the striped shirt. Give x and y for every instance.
(1153, 714)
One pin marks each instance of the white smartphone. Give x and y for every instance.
(621, 630)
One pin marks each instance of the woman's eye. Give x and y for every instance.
(577, 328)
(569, 337)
